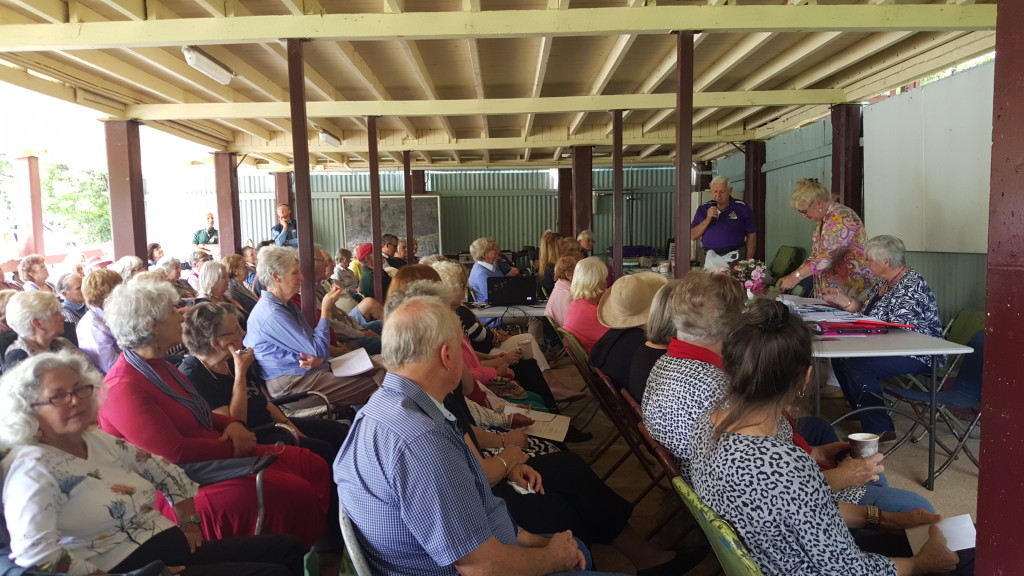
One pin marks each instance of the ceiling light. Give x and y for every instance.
(207, 64)
(329, 139)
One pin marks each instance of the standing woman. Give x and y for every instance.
(837, 245)
(33, 273)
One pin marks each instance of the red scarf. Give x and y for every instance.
(686, 351)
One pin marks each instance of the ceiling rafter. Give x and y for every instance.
(348, 53)
(131, 9)
(611, 64)
(53, 11)
(543, 55)
(300, 7)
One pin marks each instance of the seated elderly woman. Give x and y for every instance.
(901, 295)
(213, 287)
(658, 332)
(128, 266)
(238, 273)
(79, 501)
(342, 275)
(197, 260)
(292, 355)
(224, 373)
(171, 267)
(560, 296)
(33, 272)
(624, 309)
(589, 281)
(36, 317)
(94, 337)
(746, 468)
(73, 305)
(487, 254)
(152, 405)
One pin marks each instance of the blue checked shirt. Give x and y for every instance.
(414, 490)
(278, 332)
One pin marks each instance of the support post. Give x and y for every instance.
(684, 149)
(564, 202)
(303, 212)
(407, 172)
(127, 204)
(582, 188)
(755, 190)
(375, 215)
(29, 207)
(419, 181)
(618, 202)
(282, 189)
(848, 156)
(999, 535)
(228, 215)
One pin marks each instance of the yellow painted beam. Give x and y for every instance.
(485, 107)
(495, 24)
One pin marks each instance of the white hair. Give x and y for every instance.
(481, 246)
(24, 307)
(882, 248)
(417, 326)
(584, 235)
(210, 275)
(719, 180)
(453, 275)
(19, 388)
(126, 265)
(589, 278)
(170, 265)
(274, 260)
(133, 309)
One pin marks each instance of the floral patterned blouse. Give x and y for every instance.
(80, 516)
(837, 253)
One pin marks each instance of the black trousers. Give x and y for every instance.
(323, 436)
(529, 376)
(270, 555)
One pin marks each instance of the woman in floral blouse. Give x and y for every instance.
(837, 246)
(79, 501)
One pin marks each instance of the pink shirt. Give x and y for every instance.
(558, 302)
(581, 320)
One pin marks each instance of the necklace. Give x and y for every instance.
(894, 280)
(216, 375)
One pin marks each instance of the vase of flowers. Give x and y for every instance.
(753, 275)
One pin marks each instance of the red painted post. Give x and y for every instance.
(684, 149)
(229, 218)
(127, 204)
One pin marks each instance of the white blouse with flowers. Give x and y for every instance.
(79, 516)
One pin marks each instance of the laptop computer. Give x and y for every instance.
(512, 290)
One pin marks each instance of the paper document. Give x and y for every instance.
(355, 362)
(545, 425)
(958, 531)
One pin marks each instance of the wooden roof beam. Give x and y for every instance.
(543, 55)
(419, 70)
(611, 64)
(131, 9)
(52, 11)
(301, 7)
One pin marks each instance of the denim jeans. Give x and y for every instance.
(860, 379)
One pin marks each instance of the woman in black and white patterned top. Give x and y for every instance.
(901, 296)
(770, 490)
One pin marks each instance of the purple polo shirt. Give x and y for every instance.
(730, 229)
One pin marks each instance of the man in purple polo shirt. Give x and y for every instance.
(724, 224)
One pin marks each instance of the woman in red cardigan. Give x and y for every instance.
(152, 405)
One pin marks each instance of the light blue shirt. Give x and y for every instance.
(278, 332)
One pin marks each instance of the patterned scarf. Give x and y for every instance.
(195, 403)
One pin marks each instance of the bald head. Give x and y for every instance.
(417, 329)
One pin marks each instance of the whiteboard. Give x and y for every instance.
(927, 162)
(426, 220)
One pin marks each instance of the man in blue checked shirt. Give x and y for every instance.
(413, 489)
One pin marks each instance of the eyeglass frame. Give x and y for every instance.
(89, 390)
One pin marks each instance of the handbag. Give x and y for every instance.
(213, 471)
(507, 389)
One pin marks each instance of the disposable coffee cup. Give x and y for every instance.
(664, 267)
(863, 445)
(525, 350)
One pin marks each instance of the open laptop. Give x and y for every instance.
(512, 290)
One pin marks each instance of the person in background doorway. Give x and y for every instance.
(284, 232)
(206, 237)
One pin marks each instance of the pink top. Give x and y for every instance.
(470, 359)
(558, 301)
(581, 320)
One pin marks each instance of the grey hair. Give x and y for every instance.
(704, 306)
(481, 246)
(453, 275)
(126, 265)
(387, 238)
(199, 256)
(62, 283)
(589, 278)
(170, 264)
(584, 235)
(660, 327)
(418, 288)
(274, 260)
(403, 243)
(202, 325)
(719, 180)
(24, 307)
(429, 260)
(417, 327)
(133, 309)
(19, 388)
(885, 247)
(210, 275)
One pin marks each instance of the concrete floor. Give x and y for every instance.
(955, 491)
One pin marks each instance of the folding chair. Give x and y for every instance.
(965, 393)
(732, 553)
(964, 325)
(354, 552)
(579, 359)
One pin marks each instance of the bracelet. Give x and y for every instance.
(874, 517)
(191, 519)
(797, 274)
(505, 473)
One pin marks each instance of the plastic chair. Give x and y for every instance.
(732, 553)
(965, 393)
(787, 259)
(355, 553)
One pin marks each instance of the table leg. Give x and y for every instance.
(817, 387)
(932, 412)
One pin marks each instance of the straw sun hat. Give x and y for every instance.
(628, 302)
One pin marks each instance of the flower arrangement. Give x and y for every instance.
(753, 275)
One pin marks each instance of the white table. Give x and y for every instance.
(521, 311)
(897, 342)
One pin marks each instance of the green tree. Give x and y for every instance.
(78, 202)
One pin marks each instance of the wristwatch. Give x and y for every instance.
(191, 519)
(874, 517)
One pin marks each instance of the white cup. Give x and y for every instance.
(863, 445)
(525, 350)
(664, 267)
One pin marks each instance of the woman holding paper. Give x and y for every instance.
(293, 355)
(749, 471)
(225, 374)
(901, 296)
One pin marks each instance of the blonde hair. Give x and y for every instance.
(589, 278)
(454, 276)
(548, 249)
(98, 284)
(808, 191)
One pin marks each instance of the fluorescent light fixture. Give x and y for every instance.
(207, 64)
(329, 139)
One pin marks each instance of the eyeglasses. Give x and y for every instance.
(805, 211)
(64, 398)
(235, 332)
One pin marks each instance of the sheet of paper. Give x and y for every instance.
(545, 425)
(958, 531)
(355, 362)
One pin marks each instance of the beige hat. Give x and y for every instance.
(628, 302)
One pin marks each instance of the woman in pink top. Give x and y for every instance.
(559, 298)
(589, 281)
